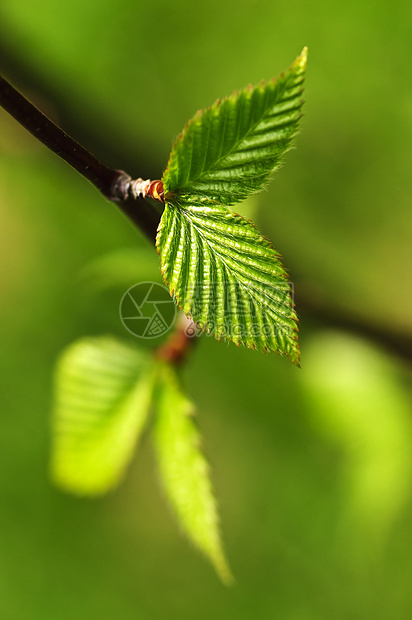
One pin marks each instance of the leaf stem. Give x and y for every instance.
(113, 184)
(177, 347)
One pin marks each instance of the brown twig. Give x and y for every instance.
(180, 342)
(115, 185)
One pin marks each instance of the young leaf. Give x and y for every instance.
(227, 277)
(228, 150)
(185, 472)
(103, 394)
(223, 273)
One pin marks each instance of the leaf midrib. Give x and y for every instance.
(111, 414)
(248, 132)
(212, 251)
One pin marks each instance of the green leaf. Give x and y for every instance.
(103, 394)
(227, 151)
(185, 472)
(223, 273)
(227, 277)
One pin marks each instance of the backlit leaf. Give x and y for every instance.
(184, 471)
(223, 273)
(103, 393)
(227, 277)
(227, 151)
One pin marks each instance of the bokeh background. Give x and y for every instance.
(312, 467)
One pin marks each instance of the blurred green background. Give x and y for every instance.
(312, 467)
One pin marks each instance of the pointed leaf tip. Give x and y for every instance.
(185, 472)
(302, 59)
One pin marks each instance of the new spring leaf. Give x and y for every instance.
(184, 471)
(228, 150)
(103, 395)
(227, 277)
(223, 273)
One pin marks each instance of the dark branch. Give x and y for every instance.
(399, 343)
(56, 139)
(113, 184)
(115, 145)
(144, 215)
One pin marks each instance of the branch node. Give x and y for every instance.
(141, 189)
(120, 188)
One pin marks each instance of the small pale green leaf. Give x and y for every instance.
(227, 277)
(227, 151)
(184, 471)
(102, 397)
